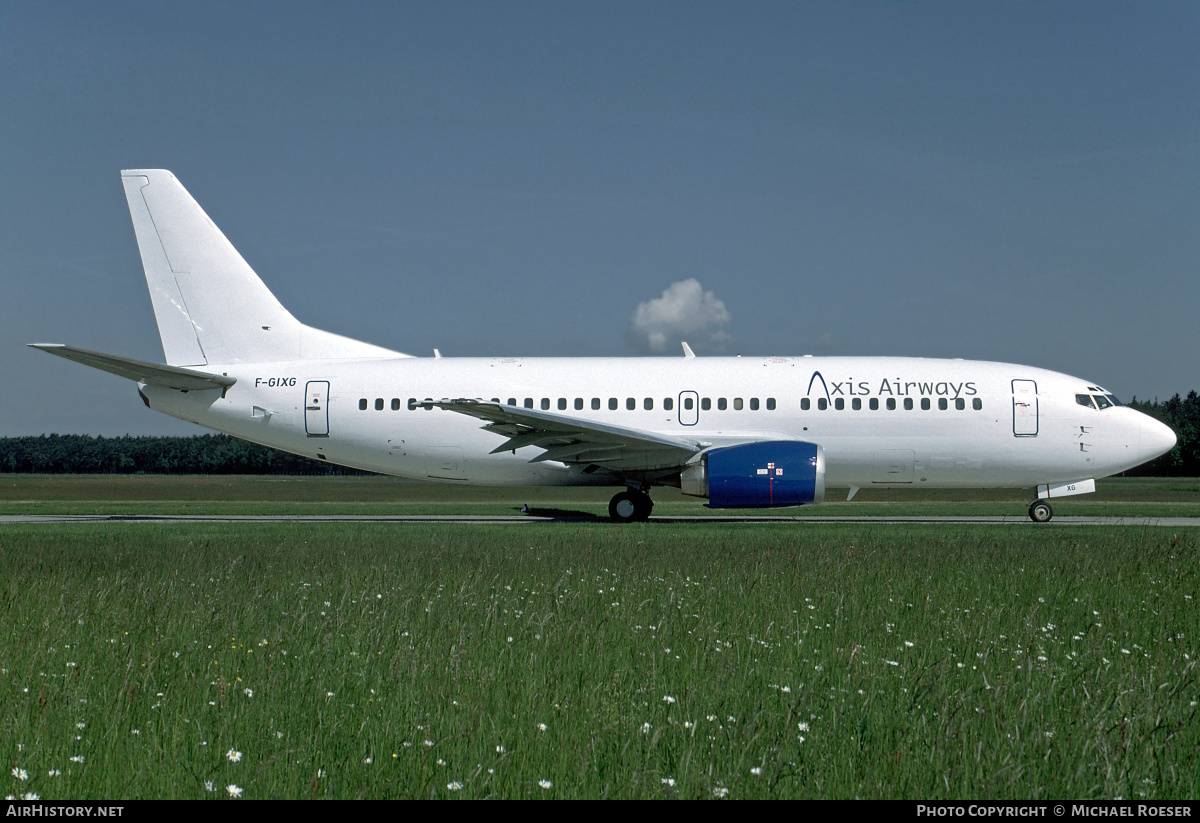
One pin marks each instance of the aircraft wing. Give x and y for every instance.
(578, 442)
(154, 374)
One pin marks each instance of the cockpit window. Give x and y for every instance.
(1084, 400)
(1102, 401)
(1112, 398)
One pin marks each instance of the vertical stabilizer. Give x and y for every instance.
(210, 305)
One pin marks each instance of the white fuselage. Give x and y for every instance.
(882, 421)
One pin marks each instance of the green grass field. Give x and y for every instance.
(578, 660)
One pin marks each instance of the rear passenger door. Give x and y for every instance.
(316, 408)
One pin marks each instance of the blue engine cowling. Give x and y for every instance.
(771, 473)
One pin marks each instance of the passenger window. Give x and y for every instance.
(754, 404)
(942, 405)
(908, 404)
(395, 404)
(770, 404)
(578, 404)
(545, 404)
(668, 403)
(630, 403)
(378, 404)
(891, 404)
(924, 404)
(512, 401)
(959, 403)
(977, 404)
(648, 403)
(612, 404)
(705, 403)
(362, 404)
(822, 403)
(856, 404)
(562, 404)
(874, 404)
(687, 403)
(839, 404)
(595, 403)
(723, 404)
(529, 402)
(804, 404)
(412, 404)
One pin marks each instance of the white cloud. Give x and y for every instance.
(684, 312)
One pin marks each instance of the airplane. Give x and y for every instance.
(743, 432)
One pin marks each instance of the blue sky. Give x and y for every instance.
(1000, 181)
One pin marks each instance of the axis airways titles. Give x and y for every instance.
(893, 388)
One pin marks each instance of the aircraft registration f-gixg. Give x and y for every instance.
(740, 431)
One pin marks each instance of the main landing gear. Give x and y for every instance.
(630, 506)
(1040, 511)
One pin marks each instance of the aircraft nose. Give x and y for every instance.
(1156, 438)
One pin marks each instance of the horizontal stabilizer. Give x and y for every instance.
(153, 374)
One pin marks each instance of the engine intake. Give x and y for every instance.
(758, 475)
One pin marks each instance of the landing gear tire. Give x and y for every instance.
(630, 506)
(1040, 511)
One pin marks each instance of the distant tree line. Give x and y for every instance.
(202, 454)
(1182, 415)
(222, 454)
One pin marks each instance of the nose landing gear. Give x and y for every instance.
(1040, 511)
(630, 506)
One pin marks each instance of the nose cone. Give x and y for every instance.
(1156, 438)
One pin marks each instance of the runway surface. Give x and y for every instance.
(1011, 520)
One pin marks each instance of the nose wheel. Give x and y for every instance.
(630, 506)
(1040, 511)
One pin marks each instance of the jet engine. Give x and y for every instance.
(769, 473)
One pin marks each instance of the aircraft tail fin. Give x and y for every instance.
(209, 304)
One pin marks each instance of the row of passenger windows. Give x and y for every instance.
(689, 403)
(856, 403)
(614, 403)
